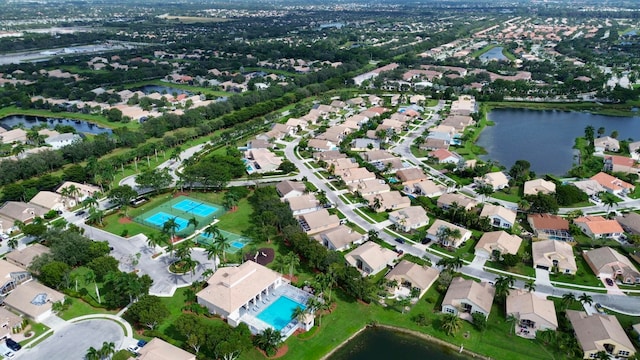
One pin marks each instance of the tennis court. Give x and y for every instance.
(236, 241)
(186, 210)
(160, 218)
(195, 207)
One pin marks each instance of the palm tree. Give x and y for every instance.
(175, 155)
(221, 242)
(90, 202)
(609, 201)
(451, 264)
(299, 314)
(376, 204)
(213, 252)
(170, 227)
(403, 302)
(512, 319)
(530, 286)
(230, 200)
(212, 231)
(268, 340)
(585, 299)
(292, 261)
(568, 299)
(183, 250)
(89, 277)
(93, 354)
(107, 350)
(12, 243)
(193, 221)
(503, 286)
(451, 324)
(95, 216)
(155, 239)
(484, 191)
(326, 280)
(373, 235)
(603, 355)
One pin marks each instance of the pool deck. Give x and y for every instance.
(256, 325)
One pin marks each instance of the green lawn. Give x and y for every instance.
(584, 275)
(378, 217)
(508, 194)
(79, 308)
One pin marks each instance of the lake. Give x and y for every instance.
(493, 54)
(382, 344)
(31, 121)
(545, 138)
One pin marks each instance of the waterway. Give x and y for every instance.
(545, 138)
(30, 121)
(381, 344)
(493, 54)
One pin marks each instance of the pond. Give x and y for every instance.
(150, 89)
(31, 121)
(545, 138)
(493, 54)
(380, 344)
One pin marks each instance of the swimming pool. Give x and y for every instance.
(160, 218)
(195, 208)
(280, 313)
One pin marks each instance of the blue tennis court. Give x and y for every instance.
(159, 218)
(195, 208)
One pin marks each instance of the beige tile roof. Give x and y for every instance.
(287, 186)
(340, 237)
(630, 222)
(303, 202)
(21, 211)
(602, 260)
(460, 199)
(490, 210)
(24, 257)
(6, 269)
(527, 305)
(533, 187)
(356, 174)
(499, 240)
(368, 187)
(372, 254)
(433, 230)
(8, 321)
(158, 349)
(377, 155)
(593, 331)
(320, 220)
(390, 200)
(85, 189)
(480, 294)
(232, 287)
(495, 179)
(10, 136)
(545, 251)
(430, 188)
(411, 175)
(48, 200)
(421, 277)
(409, 216)
(21, 299)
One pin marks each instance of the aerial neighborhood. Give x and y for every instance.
(272, 181)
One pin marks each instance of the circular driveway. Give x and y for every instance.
(73, 341)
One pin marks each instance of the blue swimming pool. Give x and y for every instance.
(280, 313)
(237, 244)
(195, 208)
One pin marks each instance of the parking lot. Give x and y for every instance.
(73, 341)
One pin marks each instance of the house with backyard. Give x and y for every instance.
(466, 297)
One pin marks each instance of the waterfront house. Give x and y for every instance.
(496, 180)
(533, 187)
(600, 332)
(606, 143)
(612, 184)
(410, 276)
(608, 263)
(552, 255)
(466, 297)
(500, 241)
(532, 311)
(370, 258)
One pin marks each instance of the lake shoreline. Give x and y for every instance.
(582, 106)
(417, 334)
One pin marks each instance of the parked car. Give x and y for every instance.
(609, 281)
(11, 344)
(399, 240)
(426, 241)
(80, 213)
(133, 348)
(141, 343)
(599, 308)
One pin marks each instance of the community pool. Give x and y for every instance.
(195, 208)
(280, 313)
(160, 218)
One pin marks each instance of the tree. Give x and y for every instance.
(403, 303)
(107, 350)
(90, 276)
(512, 319)
(121, 196)
(530, 286)
(95, 216)
(450, 323)
(291, 261)
(53, 274)
(503, 286)
(485, 191)
(93, 354)
(287, 167)
(149, 311)
(230, 200)
(12, 243)
(170, 227)
(193, 221)
(450, 264)
(213, 252)
(299, 313)
(568, 299)
(155, 179)
(373, 235)
(268, 340)
(479, 321)
(609, 200)
(585, 299)
(221, 242)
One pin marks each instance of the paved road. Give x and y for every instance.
(73, 341)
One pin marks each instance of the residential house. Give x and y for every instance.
(303, 204)
(467, 297)
(341, 164)
(21, 211)
(465, 105)
(338, 104)
(532, 311)
(33, 300)
(13, 136)
(11, 276)
(62, 140)
(597, 227)
(7, 225)
(552, 255)
(340, 238)
(600, 332)
(233, 289)
(82, 191)
(500, 241)
(356, 175)
(370, 258)
(297, 124)
(25, 256)
(435, 233)
(288, 189)
(259, 144)
(431, 143)
(547, 226)
(10, 323)
(608, 263)
(623, 164)
(321, 145)
(411, 276)
(328, 155)
(390, 200)
(429, 189)
(590, 187)
(447, 200)
(377, 155)
(500, 216)
(262, 160)
(496, 180)
(158, 349)
(630, 222)
(633, 150)
(52, 201)
(369, 187)
(533, 187)
(459, 122)
(612, 184)
(409, 218)
(606, 143)
(443, 156)
(318, 221)
(362, 144)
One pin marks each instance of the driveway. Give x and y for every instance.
(73, 341)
